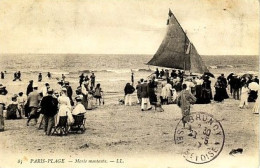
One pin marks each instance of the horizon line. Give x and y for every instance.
(118, 54)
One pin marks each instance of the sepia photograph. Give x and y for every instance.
(129, 83)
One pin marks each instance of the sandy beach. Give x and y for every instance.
(125, 131)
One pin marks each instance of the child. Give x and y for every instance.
(98, 93)
(244, 96)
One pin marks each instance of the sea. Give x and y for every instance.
(112, 71)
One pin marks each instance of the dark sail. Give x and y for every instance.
(176, 51)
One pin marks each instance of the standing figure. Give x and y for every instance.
(132, 79)
(69, 92)
(256, 105)
(129, 90)
(84, 93)
(225, 85)
(19, 75)
(206, 90)
(33, 103)
(184, 101)
(40, 77)
(157, 73)
(49, 107)
(81, 79)
(29, 87)
(244, 96)
(63, 77)
(15, 76)
(98, 93)
(138, 89)
(219, 87)
(3, 104)
(145, 96)
(21, 100)
(236, 86)
(49, 75)
(2, 75)
(92, 78)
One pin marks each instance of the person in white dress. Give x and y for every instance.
(79, 108)
(64, 107)
(244, 96)
(169, 90)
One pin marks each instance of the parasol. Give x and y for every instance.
(209, 74)
(253, 86)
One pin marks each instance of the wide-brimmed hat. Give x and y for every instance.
(79, 97)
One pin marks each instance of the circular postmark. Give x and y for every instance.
(202, 139)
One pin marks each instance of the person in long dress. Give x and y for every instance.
(169, 90)
(256, 105)
(206, 90)
(219, 95)
(64, 107)
(198, 87)
(244, 96)
(3, 103)
(84, 92)
(184, 101)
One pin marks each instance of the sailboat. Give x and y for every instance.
(176, 51)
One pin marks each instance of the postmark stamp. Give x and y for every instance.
(202, 139)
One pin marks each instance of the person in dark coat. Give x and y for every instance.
(157, 73)
(224, 86)
(220, 90)
(19, 75)
(129, 90)
(29, 87)
(236, 84)
(230, 82)
(206, 91)
(69, 92)
(173, 74)
(40, 77)
(49, 75)
(49, 107)
(151, 90)
(81, 79)
(15, 76)
(145, 96)
(161, 73)
(2, 75)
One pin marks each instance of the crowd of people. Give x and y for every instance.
(48, 105)
(164, 87)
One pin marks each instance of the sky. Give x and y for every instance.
(216, 27)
